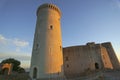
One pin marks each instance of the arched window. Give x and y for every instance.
(35, 73)
(96, 66)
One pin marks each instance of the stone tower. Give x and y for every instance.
(47, 58)
(112, 55)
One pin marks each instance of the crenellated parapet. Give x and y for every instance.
(51, 6)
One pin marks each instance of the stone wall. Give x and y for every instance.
(81, 59)
(112, 55)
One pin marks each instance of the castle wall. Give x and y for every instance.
(94, 54)
(105, 59)
(74, 62)
(80, 59)
(112, 55)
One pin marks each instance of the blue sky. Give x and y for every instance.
(82, 21)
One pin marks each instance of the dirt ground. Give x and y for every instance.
(101, 75)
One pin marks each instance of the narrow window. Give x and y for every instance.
(67, 66)
(51, 27)
(60, 48)
(37, 45)
(66, 58)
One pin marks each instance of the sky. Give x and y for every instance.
(82, 21)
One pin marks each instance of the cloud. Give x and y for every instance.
(2, 39)
(20, 43)
(19, 56)
(16, 44)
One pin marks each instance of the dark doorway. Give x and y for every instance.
(5, 71)
(96, 66)
(35, 73)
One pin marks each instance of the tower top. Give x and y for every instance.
(49, 5)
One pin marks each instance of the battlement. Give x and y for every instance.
(51, 6)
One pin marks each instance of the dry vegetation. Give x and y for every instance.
(22, 76)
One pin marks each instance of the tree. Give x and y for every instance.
(16, 64)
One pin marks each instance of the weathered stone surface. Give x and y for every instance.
(113, 58)
(81, 60)
(47, 59)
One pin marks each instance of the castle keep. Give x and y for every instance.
(79, 59)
